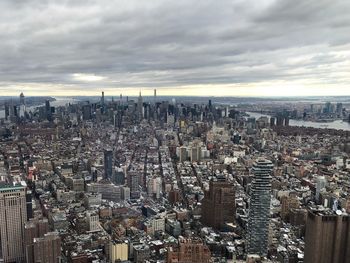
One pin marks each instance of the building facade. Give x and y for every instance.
(327, 238)
(259, 213)
(218, 205)
(189, 251)
(108, 164)
(47, 249)
(13, 215)
(118, 251)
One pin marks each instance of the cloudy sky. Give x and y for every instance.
(182, 47)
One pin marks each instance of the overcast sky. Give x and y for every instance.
(179, 47)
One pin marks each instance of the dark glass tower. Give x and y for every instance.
(108, 163)
(259, 213)
(218, 204)
(48, 110)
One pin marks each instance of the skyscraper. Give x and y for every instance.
(134, 180)
(182, 153)
(118, 251)
(321, 183)
(108, 163)
(140, 107)
(86, 111)
(13, 215)
(7, 110)
(288, 203)
(22, 105)
(34, 228)
(259, 213)
(103, 102)
(339, 108)
(327, 238)
(218, 205)
(103, 98)
(21, 99)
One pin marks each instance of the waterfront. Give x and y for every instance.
(59, 101)
(337, 124)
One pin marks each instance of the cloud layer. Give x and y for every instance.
(237, 47)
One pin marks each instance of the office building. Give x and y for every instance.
(107, 190)
(327, 238)
(48, 110)
(92, 199)
(34, 228)
(108, 164)
(133, 182)
(119, 176)
(22, 106)
(218, 204)
(86, 109)
(13, 215)
(195, 153)
(182, 154)
(21, 99)
(93, 221)
(288, 203)
(118, 251)
(7, 110)
(141, 253)
(321, 183)
(259, 213)
(29, 204)
(140, 107)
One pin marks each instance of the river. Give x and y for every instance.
(337, 124)
(60, 101)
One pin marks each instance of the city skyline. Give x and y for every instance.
(174, 180)
(234, 48)
(174, 131)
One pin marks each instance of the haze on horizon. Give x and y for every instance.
(184, 47)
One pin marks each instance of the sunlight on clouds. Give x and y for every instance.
(87, 77)
(262, 89)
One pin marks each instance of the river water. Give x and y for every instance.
(337, 124)
(60, 101)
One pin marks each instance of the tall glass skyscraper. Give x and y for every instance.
(108, 163)
(259, 213)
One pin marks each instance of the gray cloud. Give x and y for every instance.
(167, 43)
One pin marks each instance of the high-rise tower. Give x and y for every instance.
(108, 163)
(327, 237)
(22, 105)
(13, 215)
(34, 228)
(218, 204)
(140, 107)
(259, 213)
(21, 99)
(103, 98)
(48, 110)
